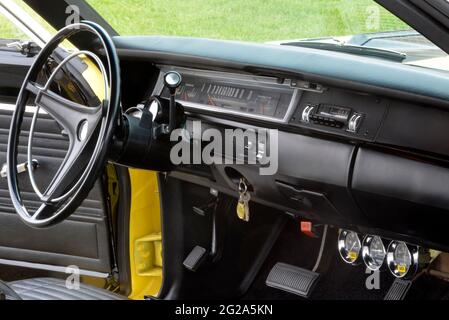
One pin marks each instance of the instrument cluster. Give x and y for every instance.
(402, 259)
(256, 97)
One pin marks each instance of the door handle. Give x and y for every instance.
(22, 167)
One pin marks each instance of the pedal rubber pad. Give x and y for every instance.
(398, 290)
(195, 258)
(292, 279)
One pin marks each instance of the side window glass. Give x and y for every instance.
(8, 31)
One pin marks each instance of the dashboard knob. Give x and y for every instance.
(355, 122)
(307, 112)
(172, 80)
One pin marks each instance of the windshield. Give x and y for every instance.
(250, 20)
(355, 23)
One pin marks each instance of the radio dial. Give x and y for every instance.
(306, 113)
(354, 122)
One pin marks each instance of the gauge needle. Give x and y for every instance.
(350, 250)
(211, 101)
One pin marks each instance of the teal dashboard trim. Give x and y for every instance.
(335, 65)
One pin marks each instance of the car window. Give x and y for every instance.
(8, 31)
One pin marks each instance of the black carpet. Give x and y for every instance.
(338, 280)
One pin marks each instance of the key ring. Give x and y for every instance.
(243, 188)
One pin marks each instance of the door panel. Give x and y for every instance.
(82, 240)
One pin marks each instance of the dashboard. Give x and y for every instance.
(276, 100)
(362, 143)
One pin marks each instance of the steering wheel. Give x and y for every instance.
(90, 131)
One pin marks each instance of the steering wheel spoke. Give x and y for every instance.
(33, 87)
(74, 163)
(79, 121)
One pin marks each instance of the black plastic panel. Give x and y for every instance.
(418, 127)
(14, 67)
(316, 170)
(403, 195)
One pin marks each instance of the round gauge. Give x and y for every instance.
(373, 252)
(402, 259)
(349, 246)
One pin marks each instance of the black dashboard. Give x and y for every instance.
(353, 154)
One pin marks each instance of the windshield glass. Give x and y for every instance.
(250, 20)
(356, 23)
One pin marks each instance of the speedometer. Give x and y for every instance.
(349, 246)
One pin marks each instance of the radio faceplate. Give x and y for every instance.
(341, 112)
(332, 116)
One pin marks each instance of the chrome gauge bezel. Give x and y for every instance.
(344, 252)
(395, 267)
(367, 256)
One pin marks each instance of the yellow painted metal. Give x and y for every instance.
(148, 255)
(145, 217)
(94, 78)
(145, 235)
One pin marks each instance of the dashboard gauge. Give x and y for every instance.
(236, 96)
(402, 259)
(349, 246)
(373, 252)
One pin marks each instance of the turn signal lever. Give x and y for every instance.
(144, 138)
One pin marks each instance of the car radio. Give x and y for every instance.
(332, 116)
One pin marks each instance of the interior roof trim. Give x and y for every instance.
(370, 71)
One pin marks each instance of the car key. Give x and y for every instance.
(244, 199)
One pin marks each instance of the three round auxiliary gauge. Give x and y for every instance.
(402, 259)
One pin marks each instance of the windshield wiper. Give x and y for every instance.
(351, 49)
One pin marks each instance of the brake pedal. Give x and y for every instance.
(398, 290)
(195, 258)
(292, 279)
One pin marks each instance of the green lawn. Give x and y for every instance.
(251, 20)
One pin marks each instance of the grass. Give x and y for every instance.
(249, 20)
(8, 30)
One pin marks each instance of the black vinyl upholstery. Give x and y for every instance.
(55, 289)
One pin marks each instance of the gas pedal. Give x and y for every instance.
(195, 258)
(292, 279)
(398, 290)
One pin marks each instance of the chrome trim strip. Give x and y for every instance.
(48, 267)
(11, 107)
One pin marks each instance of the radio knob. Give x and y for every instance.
(354, 122)
(306, 113)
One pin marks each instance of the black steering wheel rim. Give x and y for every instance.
(111, 111)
